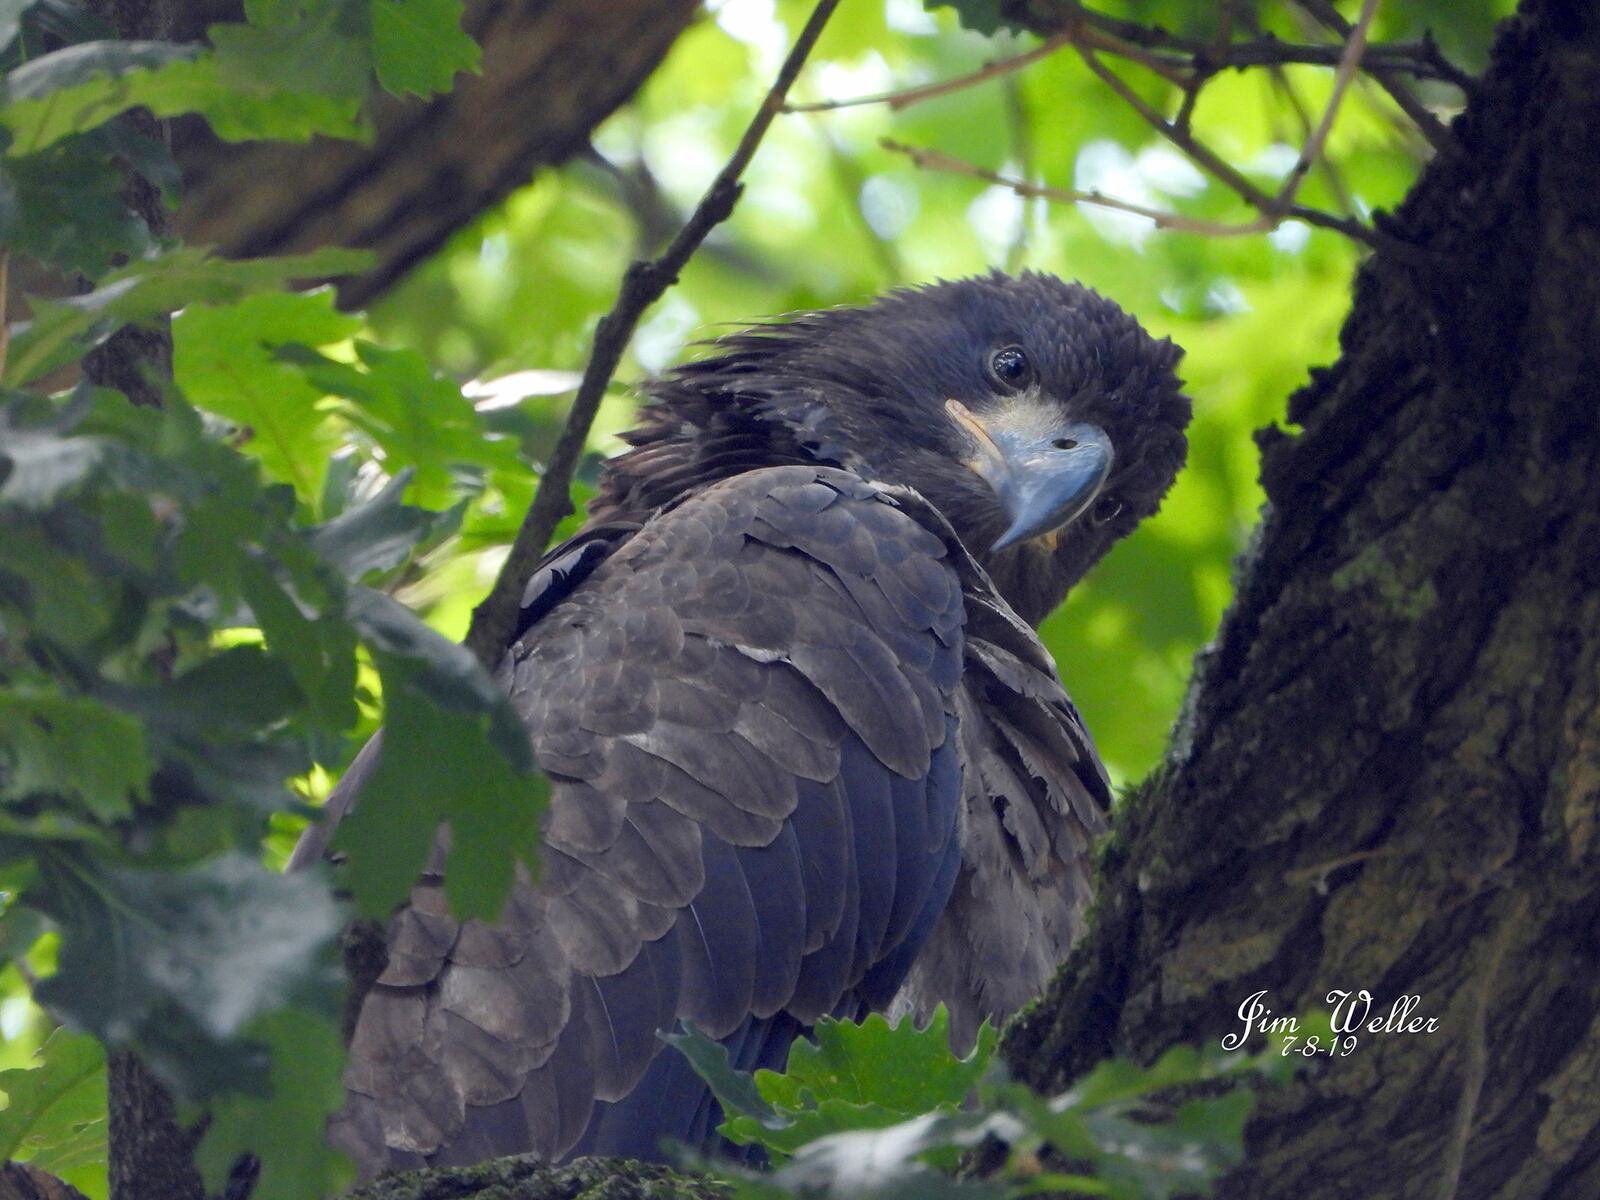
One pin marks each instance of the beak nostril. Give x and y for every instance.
(1064, 444)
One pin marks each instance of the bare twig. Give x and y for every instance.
(1272, 209)
(1429, 125)
(928, 91)
(5, 329)
(1423, 59)
(1302, 115)
(1349, 64)
(936, 160)
(1020, 122)
(645, 282)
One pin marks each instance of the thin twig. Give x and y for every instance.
(937, 160)
(495, 618)
(1181, 138)
(1286, 89)
(1431, 127)
(1349, 64)
(928, 91)
(1020, 123)
(1273, 209)
(1421, 59)
(5, 327)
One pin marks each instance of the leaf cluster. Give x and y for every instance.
(193, 607)
(888, 1112)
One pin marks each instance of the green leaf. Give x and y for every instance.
(71, 746)
(65, 206)
(233, 691)
(63, 330)
(77, 88)
(285, 1128)
(319, 648)
(734, 1089)
(852, 1076)
(900, 1067)
(237, 104)
(20, 927)
(378, 534)
(73, 66)
(180, 962)
(419, 45)
(451, 754)
(322, 49)
(418, 418)
(240, 109)
(1158, 1160)
(224, 361)
(55, 1113)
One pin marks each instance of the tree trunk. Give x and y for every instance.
(552, 71)
(1388, 773)
(1388, 776)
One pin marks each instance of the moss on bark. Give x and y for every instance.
(525, 1179)
(1389, 772)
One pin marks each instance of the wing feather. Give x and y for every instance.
(747, 708)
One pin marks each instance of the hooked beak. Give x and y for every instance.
(1045, 478)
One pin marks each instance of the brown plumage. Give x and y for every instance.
(806, 756)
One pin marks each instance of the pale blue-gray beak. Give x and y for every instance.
(1045, 477)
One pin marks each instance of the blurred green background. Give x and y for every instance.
(507, 309)
(831, 218)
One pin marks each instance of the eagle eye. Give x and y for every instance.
(1010, 367)
(1105, 509)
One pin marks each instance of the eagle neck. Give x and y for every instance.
(684, 443)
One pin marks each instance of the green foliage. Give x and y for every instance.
(874, 1112)
(862, 1076)
(185, 599)
(204, 605)
(418, 45)
(55, 1114)
(285, 1131)
(64, 330)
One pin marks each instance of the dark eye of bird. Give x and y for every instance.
(1011, 367)
(1106, 508)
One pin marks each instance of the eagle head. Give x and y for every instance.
(1040, 419)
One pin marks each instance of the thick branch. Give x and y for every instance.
(552, 70)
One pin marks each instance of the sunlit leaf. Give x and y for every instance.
(418, 46)
(55, 1113)
(454, 752)
(62, 329)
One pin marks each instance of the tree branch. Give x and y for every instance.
(1430, 126)
(645, 282)
(944, 87)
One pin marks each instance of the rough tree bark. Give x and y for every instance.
(1388, 774)
(552, 71)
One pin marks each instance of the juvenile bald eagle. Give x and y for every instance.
(807, 755)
